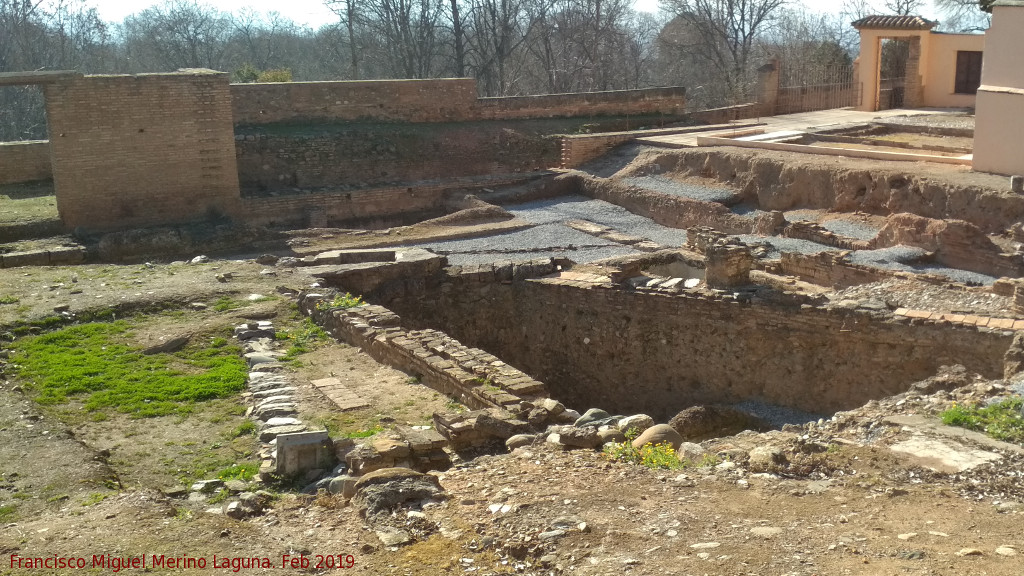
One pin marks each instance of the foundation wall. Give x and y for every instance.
(371, 207)
(152, 149)
(24, 161)
(376, 155)
(631, 352)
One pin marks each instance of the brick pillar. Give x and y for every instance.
(913, 91)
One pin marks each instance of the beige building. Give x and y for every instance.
(903, 63)
(999, 118)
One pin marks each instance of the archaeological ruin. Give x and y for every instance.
(562, 270)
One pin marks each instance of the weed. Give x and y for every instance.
(58, 498)
(219, 497)
(7, 299)
(247, 428)
(657, 456)
(218, 342)
(183, 514)
(345, 300)
(366, 433)
(1003, 420)
(245, 471)
(87, 360)
(303, 339)
(21, 496)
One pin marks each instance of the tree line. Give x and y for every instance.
(512, 47)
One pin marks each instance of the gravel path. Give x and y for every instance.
(666, 185)
(563, 208)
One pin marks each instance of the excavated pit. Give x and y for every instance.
(626, 348)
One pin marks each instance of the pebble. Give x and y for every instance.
(1006, 550)
(705, 545)
(969, 552)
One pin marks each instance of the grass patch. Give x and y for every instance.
(655, 456)
(302, 339)
(89, 360)
(95, 498)
(1003, 420)
(8, 513)
(7, 299)
(227, 304)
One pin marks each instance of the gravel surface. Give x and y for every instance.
(900, 293)
(542, 241)
(666, 185)
(961, 276)
(780, 244)
(858, 230)
(563, 208)
(776, 416)
(804, 215)
(894, 258)
(940, 120)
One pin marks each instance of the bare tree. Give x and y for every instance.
(346, 10)
(723, 34)
(965, 15)
(903, 7)
(177, 34)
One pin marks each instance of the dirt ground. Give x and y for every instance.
(80, 500)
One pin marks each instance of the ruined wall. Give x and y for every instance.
(628, 351)
(369, 207)
(363, 155)
(142, 150)
(441, 100)
(778, 181)
(24, 161)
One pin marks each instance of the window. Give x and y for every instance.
(968, 72)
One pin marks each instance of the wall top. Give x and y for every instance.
(894, 23)
(41, 77)
(1018, 3)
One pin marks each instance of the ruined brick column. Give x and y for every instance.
(728, 265)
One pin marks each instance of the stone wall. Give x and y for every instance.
(442, 100)
(829, 269)
(361, 155)
(476, 378)
(142, 150)
(626, 351)
(24, 161)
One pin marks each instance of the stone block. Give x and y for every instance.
(300, 452)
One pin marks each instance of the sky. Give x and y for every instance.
(313, 12)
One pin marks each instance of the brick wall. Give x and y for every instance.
(387, 100)
(142, 150)
(444, 100)
(24, 161)
(629, 351)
